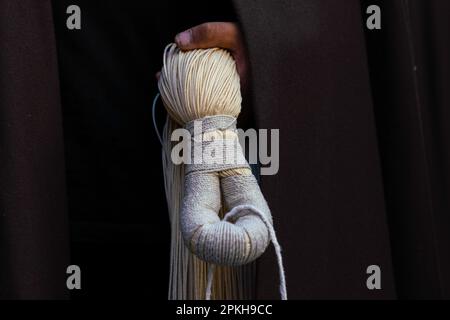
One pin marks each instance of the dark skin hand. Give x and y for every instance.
(225, 35)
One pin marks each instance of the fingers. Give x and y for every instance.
(224, 35)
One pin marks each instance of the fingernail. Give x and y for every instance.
(183, 39)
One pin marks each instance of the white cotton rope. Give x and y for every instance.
(201, 92)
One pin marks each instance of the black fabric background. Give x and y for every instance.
(119, 223)
(313, 84)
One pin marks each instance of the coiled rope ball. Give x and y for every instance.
(201, 92)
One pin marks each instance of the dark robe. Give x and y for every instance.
(364, 149)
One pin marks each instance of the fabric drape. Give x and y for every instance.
(34, 247)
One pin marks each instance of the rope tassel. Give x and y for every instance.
(201, 92)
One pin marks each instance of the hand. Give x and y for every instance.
(225, 35)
